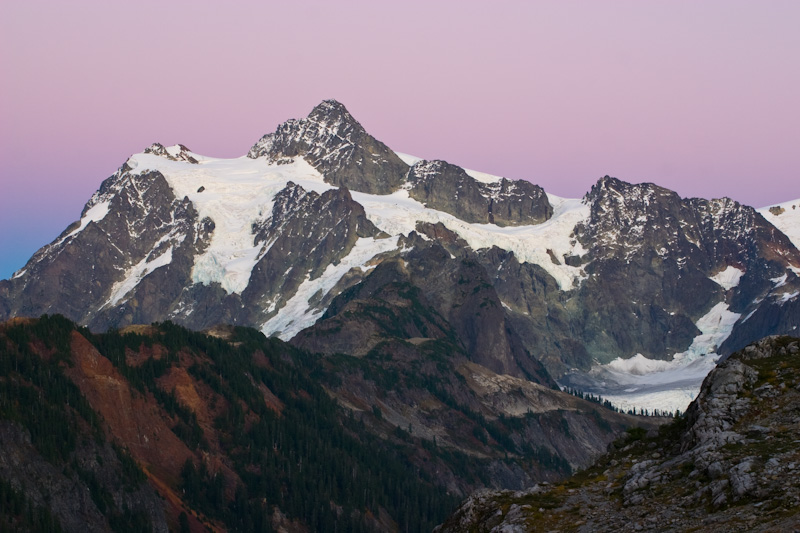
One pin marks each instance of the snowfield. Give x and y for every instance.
(651, 384)
(235, 193)
(787, 221)
(297, 314)
(397, 213)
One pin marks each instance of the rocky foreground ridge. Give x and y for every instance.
(731, 463)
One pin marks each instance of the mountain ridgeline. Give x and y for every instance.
(270, 240)
(387, 334)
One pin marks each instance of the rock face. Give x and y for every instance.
(415, 292)
(299, 246)
(652, 263)
(445, 187)
(334, 143)
(730, 463)
(143, 232)
(645, 240)
(68, 499)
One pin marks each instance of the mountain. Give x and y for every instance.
(731, 464)
(321, 234)
(157, 428)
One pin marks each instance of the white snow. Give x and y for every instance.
(639, 365)
(298, 314)
(785, 297)
(665, 385)
(236, 193)
(780, 281)
(480, 176)
(398, 213)
(95, 213)
(669, 400)
(788, 221)
(728, 278)
(135, 274)
(173, 151)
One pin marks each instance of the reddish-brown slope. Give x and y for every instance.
(132, 419)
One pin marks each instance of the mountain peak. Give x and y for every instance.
(336, 119)
(335, 144)
(328, 109)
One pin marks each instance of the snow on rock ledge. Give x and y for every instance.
(728, 278)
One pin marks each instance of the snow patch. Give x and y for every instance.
(409, 160)
(95, 213)
(173, 151)
(780, 281)
(667, 401)
(728, 278)
(298, 314)
(785, 297)
(638, 365)
(135, 274)
(665, 385)
(483, 177)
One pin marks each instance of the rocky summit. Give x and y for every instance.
(335, 144)
(732, 463)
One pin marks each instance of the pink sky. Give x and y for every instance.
(699, 97)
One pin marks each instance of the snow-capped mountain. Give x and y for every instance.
(630, 289)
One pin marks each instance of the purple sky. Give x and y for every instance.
(699, 97)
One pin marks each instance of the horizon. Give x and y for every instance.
(697, 98)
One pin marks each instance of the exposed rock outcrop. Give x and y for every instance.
(733, 453)
(445, 187)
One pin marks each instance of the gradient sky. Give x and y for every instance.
(697, 96)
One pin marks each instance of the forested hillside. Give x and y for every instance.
(230, 434)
